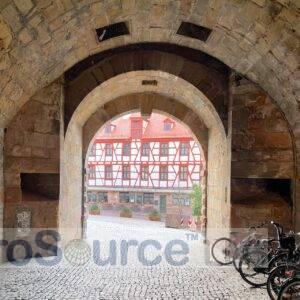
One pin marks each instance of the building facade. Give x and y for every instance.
(144, 163)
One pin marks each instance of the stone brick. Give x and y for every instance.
(11, 16)
(24, 6)
(21, 151)
(25, 36)
(13, 194)
(5, 37)
(52, 141)
(67, 4)
(259, 2)
(36, 20)
(43, 33)
(40, 152)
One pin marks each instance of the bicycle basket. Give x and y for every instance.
(288, 242)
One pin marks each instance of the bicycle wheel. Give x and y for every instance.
(290, 290)
(253, 267)
(223, 250)
(277, 260)
(236, 257)
(276, 279)
(239, 252)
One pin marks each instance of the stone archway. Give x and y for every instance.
(115, 111)
(168, 85)
(259, 39)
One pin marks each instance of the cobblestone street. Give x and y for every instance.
(193, 280)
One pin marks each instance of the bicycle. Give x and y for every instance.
(277, 278)
(290, 289)
(255, 266)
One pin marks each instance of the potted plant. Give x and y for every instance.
(196, 197)
(126, 212)
(94, 209)
(154, 215)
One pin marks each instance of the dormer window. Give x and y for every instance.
(107, 129)
(168, 125)
(136, 128)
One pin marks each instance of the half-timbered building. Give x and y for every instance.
(144, 163)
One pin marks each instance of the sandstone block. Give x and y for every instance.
(24, 6)
(24, 36)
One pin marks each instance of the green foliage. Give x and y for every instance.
(196, 197)
(126, 210)
(95, 208)
(154, 212)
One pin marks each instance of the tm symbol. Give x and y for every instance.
(192, 236)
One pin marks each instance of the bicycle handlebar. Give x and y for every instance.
(279, 229)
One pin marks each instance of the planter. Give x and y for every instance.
(125, 214)
(94, 210)
(155, 218)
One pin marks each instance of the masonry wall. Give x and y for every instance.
(1, 190)
(262, 159)
(31, 146)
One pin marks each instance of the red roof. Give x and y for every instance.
(154, 128)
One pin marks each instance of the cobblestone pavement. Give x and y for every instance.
(193, 280)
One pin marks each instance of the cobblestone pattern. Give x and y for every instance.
(134, 281)
(125, 283)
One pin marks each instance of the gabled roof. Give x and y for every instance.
(154, 128)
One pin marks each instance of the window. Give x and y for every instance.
(102, 196)
(126, 172)
(131, 197)
(184, 148)
(93, 150)
(144, 172)
(108, 172)
(148, 198)
(92, 172)
(163, 173)
(112, 31)
(126, 149)
(91, 197)
(139, 198)
(168, 126)
(107, 129)
(145, 149)
(124, 197)
(164, 149)
(136, 128)
(181, 199)
(183, 173)
(108, 149)
(194, 31)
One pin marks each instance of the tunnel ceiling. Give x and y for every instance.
(40, 40)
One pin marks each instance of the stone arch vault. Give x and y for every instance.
(127, 84)
(258, 39)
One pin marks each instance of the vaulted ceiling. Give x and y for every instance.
(41, 39)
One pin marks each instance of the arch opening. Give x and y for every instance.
(146, 167)
(104, 101)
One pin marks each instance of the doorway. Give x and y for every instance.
(162, 204)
